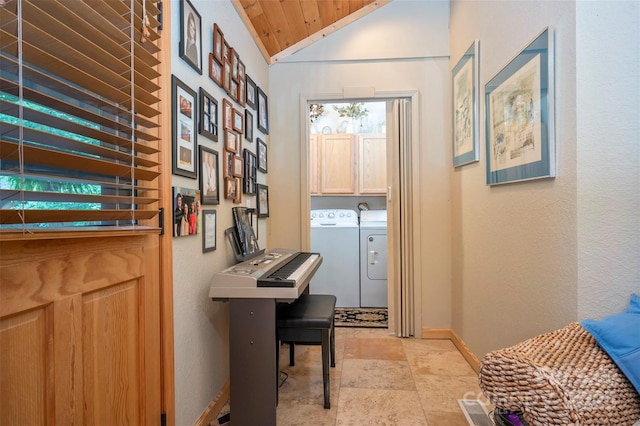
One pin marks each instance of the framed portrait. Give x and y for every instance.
(250, 174)
(208, 124)
(218, 43)
(234, 58)
(230, 188)
(215, 70)
(262, 156)
(248, 125)
(251, 93)
(208, 230)
(263, 112)
(228, 164)
(227, 114)
(186, 208)
(226, 76)
(183, 123)
(519, 105)
(263, 200)
(190, 46)
(465, 128)
(242, 88)
(231, 142)
(238, 121)
(238, 198)
(238, 166)
(209, 182)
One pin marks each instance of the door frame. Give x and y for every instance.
(305, 196)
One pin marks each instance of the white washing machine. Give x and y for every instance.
(335, 235)
(373, 259)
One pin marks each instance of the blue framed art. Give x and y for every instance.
(465, 133)
(519, 108)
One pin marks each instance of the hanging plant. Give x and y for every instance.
(352, 110)
(315, 111)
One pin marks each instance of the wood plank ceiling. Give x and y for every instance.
(281, 27)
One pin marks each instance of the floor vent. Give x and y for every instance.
(475, 412)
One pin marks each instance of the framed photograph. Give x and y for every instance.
(190, 46)
(227, 114)
(242, 88)
(263, 113)
(230, 188)
(262, 156)
(465, 128)
(208, 230)
(519, 105)
(208, 115)
(251, 94)
(263, 200)
(186, 208)
(234, 90)
(238, 198)
(209, 182)
(183, 123)
(248, 125)
(238, 166)
(218, 43)
(226, 76)
(215, 70)
(228, 164)
(250, 174)
(231, 141)
(238, 121)
(234, 58)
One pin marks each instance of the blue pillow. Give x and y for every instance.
(619, 336)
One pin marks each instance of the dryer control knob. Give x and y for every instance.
(331, 215)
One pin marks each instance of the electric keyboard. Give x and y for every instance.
(279, 273)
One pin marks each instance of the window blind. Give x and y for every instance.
(79, 114)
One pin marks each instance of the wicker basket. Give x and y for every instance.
(560, 378)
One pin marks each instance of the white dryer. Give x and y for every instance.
(335, 235)
(373, 259)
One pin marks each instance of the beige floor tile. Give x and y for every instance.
(374, 348)
(446, 419)
(441, 363)
(379, 407)
(376, 374)
(441, 393)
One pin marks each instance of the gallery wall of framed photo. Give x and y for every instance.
(219, 130)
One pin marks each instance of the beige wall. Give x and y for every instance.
(201, 326)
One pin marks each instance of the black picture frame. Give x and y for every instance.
(250, 173)
(251, 93)
(248, 125)
(190, 46)
(184, 103)
(209, 176)
(262, 156)
(209, 228)
(262, 200)
(263, 111)
(208, 123)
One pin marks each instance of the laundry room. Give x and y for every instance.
(348, 187)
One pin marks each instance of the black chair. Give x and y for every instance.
(309, 320)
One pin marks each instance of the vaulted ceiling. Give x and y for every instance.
(282, 27)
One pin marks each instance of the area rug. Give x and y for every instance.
(361, 317)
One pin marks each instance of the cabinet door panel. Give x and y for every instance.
(373, 164)
(338, 165)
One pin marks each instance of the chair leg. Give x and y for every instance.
(325, 367)
(333, 346)
(292, 354)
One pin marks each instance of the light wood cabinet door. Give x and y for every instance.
(313, 165)
(80, 331)
(338, 164)
(372, 175)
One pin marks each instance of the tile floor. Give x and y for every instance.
(378, 380)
